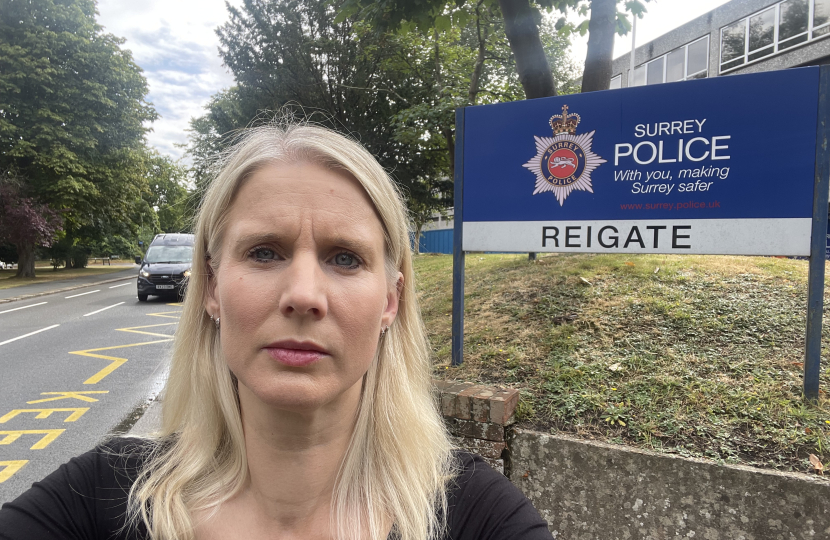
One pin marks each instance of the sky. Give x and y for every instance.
(175, 43)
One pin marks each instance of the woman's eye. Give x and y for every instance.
(345, 259)
(263, 254)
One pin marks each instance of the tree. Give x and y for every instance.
(521, 22)
(168, 194)
(72, 116)
(24, 223)
(396, 92)
(293, 58)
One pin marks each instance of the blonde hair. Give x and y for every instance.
(399, 460)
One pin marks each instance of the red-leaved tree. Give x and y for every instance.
(26, 223)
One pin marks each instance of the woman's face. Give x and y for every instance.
(301, 287)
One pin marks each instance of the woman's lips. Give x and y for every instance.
(295, 355)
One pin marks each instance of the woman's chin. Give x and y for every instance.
(303, 397)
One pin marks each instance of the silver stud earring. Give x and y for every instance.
(383, 331)
(216, 321)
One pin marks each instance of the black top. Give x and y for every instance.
(87, 499)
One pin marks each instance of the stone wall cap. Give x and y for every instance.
(817, 479)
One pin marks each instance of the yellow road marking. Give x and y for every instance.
(49, 435)
(68, 395)
(134, 330)
(10, 467)
(165, 314)
(115, 363)
(45, 413)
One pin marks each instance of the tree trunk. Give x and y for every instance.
(521, 24)
(597, 75)
(450, 138)
(25, 260)
(418, 238)
(475, 78)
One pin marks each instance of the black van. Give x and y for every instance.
(166, 266)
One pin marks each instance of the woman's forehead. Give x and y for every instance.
(291, 198)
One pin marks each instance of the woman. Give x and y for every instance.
(298, 403)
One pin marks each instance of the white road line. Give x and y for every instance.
(103, 309)
(114, 286)
(83, 293)
(23, 307)
(30, 334)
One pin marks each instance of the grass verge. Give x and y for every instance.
(43, 275)
(695, 355)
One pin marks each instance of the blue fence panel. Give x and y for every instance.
(436, 241)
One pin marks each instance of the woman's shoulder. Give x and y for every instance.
(82, 496)
(483, 503)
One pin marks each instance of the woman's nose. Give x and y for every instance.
(303, 289)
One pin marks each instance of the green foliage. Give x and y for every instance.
(72, 116)
(396, 92)
(168, 193)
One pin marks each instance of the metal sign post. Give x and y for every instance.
(457, 244)
(818, 243)
(736, 165)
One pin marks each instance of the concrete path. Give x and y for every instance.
(50, 287)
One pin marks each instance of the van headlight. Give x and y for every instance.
(144, 273)
(186, 273)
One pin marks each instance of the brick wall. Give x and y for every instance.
(477, 416)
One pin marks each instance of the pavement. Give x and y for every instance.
(34, 290)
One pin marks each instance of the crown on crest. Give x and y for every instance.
(564, 123)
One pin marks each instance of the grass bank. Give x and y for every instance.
(695, 355)
(45, 274)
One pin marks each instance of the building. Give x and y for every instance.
(741, 36)
(436, 236)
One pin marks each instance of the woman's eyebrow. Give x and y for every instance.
(356, 244)
(257, 238)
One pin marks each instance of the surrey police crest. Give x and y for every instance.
(565, 161)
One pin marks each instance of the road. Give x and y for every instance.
(75, 367)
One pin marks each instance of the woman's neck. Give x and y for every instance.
(293, 462)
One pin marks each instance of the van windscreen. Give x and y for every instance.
(169, 254)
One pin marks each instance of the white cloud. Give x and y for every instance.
(175, 43)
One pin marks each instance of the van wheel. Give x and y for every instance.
(142, 297)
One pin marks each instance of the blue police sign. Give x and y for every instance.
(718, 166)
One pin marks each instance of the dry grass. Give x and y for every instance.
(702, 357)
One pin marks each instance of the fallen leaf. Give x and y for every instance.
(656, 269)
(615, 367)
(629, 263)
(819, 468)
(585, 281)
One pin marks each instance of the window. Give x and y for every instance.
(684, 63)
(793, 18)
(654, 71)
(639, 75)
(773, 30)
(616, 82)
(675, 65)
(698, 59)
(762, 34)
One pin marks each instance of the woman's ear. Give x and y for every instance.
(209, 301)
(393, 299)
